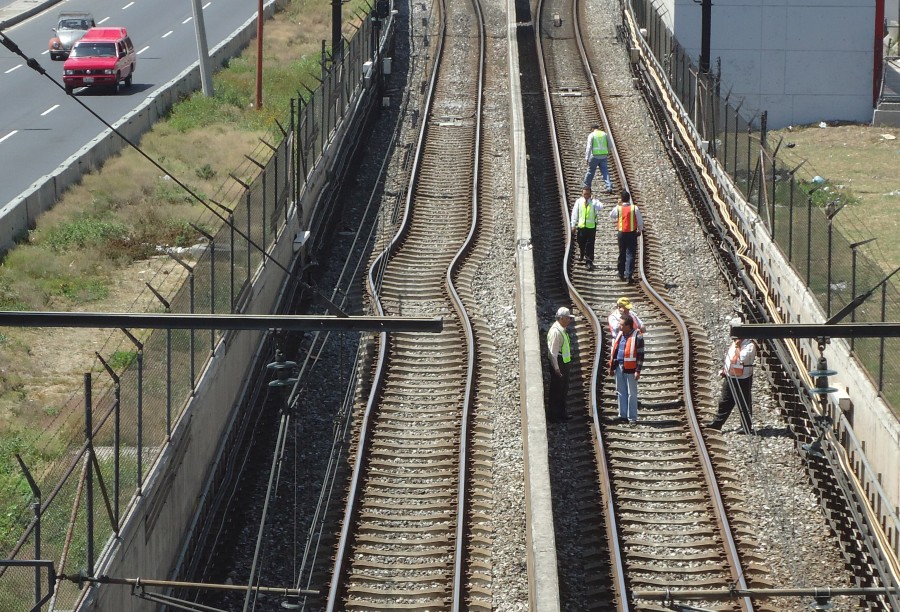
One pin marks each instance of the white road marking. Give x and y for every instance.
(16, 67)
(46, 52)
(205, 5)
(167, 34)
(50, 110)
(127, 5)
(104, 20)
(186, 20)
(8, 135)
(144, 49)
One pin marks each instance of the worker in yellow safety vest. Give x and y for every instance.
(559, 353)
(595, 154)
(584, 225)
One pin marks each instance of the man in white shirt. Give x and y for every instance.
(623, 307)
(737, 375)
(584, 225)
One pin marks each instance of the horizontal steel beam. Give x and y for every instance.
(113, 320)
(762, 331)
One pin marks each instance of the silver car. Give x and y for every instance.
(69, 29)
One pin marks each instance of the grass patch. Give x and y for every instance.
(859, 166)
(83, 231)
(100, 244)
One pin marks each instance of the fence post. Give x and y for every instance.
(881, 340)
(89, 476)
(808, 237)
(791, 221)
(117, 435)
(749, 155)
(828, 274)
(140, 409)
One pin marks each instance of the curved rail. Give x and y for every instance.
(404, 530)
(634, 455)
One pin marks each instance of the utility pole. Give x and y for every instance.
(705, 33)
(337, 41)
(202, 49)
(260, 17)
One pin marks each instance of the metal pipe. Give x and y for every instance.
(146, 582)
(112, 320)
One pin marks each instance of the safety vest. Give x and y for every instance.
(734, 367)
(627, 218)
(566, 350)
(629, 360)
(587, 215)
(598, 143)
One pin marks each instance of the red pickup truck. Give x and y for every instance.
(104, 57)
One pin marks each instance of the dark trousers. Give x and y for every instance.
(627, 251)
(736, 391)
(559, 389)
(586, 237)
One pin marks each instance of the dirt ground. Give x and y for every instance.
(864, 161)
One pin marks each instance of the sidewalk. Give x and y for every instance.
(15, 11)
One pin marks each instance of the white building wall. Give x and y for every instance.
(803, 61)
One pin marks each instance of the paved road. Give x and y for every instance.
(40, 127)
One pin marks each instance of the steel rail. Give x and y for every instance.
(618, 569)
(731, 548)
(753, 283)
(373, 285)
(462, 541)
(375, 276)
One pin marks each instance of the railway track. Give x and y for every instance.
(664, 515)
(411, 534)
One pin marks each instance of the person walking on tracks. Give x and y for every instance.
(625, 361)
(596, 154)
(737, 384)
(623, 307)
(629, 224)
(584, 225)
(559, 353)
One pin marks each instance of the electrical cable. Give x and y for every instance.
(34, 65)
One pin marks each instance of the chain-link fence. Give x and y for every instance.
(89, 467)
(806, 215)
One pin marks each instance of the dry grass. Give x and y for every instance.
(861, 161)
(96, 249)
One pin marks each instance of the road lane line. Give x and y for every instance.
(144, 49)
(8, 135)
(50, 110)
(102, 21)
(167, 34)
(127, 5)
(186, 20)
(16, 67)
(205, 5)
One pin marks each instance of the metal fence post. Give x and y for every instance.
(140, 408)
(808, 237)
(881, 340)
(790, 241)
(117, 435)
(89, 476)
